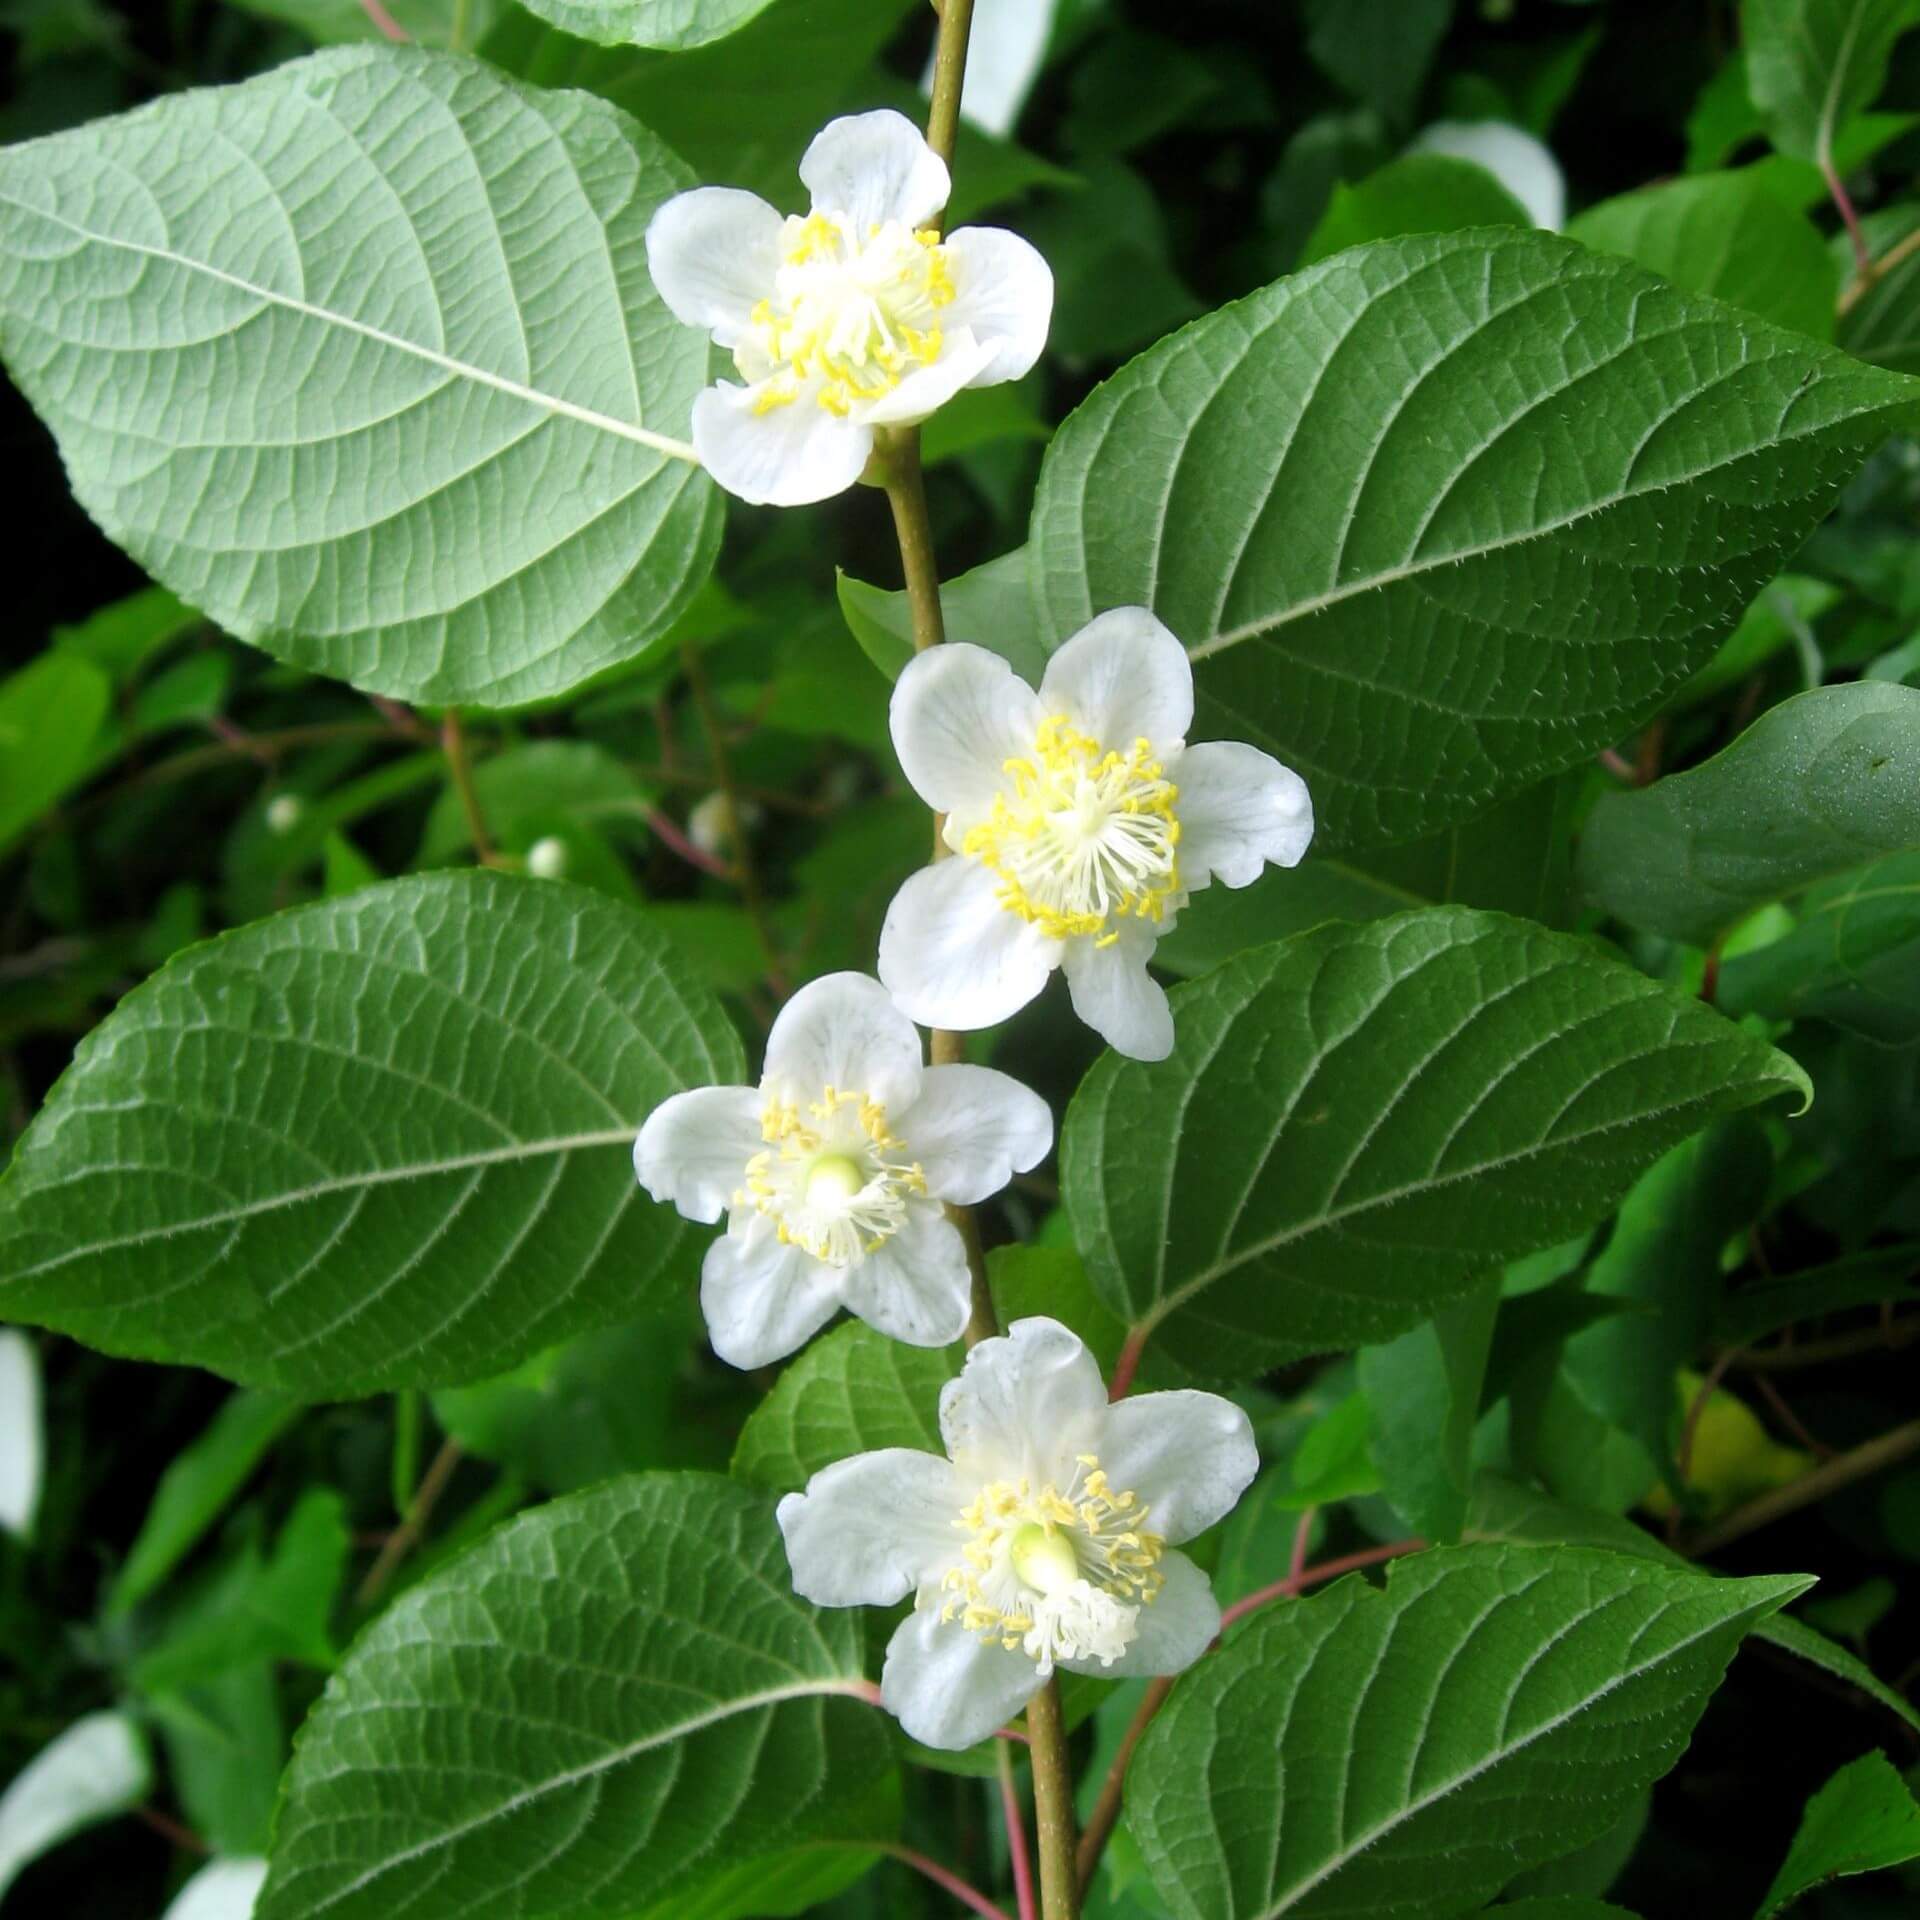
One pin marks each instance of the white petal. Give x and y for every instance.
(761, 1299)
(1116, 996)
(1188, 1456)
(973, 1129)
(1239, 808)
(1027, 1402)
(1521, 164)
(927, 389)
(222, 1890)
(22, 1433)
(959, 713)
(1123, 677)
(917, 1287)
(1172, 1633)
(947, 1688)
(694, 1148)
(868, 1530)
(1002, 292)
(713, 254)
(782, 456)
(952, 956)
(875, 167)
(843, 1031)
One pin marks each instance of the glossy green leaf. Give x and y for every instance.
(387, 426)
(197, 1488)
(1863, 1819)
(852, 1392)
(1816, 786)
(382, 1141)
(1412, 1749)
(1723, 234)
(1504, 497)
(1813, 64)
(991, 606)
(1356, 1123)
(1418, 193)
(668, 24)
(98, 1768)
(608, 1702)
(50, 715)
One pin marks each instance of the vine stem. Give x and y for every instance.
(1875, 271)
(406, 1536)
(1053, 1803)
(1837, 191)
(384, 21)
(945, 1877)
(453, 743)
(1016, 1833)
(1841, 1471)
(949, 75)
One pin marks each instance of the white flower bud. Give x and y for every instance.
(285, 811)
(547, 859)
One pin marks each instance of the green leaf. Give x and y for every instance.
(1817, 785)
(124, 635)
(330, 22)
(96, 1769)
(1561, 1906)
(50, 714)
(1412, 1749)
(368, 411)
(1862, 1280)
(1332, 1461)
(608, 1702)
(852, 1392)
(1883, 323)
(1356, 1123)
(669, 24)
(1782, 614)
(196, 1489)
(1813, 64)
(1052, 1280)
(1379, 50)
(1443, 515)
(1864, 1818)
(226, 1744)
(382, 1141)
(1424, 1393)
(991, 607)
(1723, 234)
(1418, 193)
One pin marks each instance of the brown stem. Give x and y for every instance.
(1017, 1855)
(745, 871)
(949, 74)
(1128, 1364)
(1840, 1346)
(1841, 1471)
(1696, 1408)
(405, 1537)
(1053, 1801)
(1875, 271)
(171, 1830)
(453, 743)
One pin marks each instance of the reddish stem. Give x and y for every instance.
(671, 836)
(1128, 1364)
(943, 1877)
(1017, 1854)
(1297, 1560)
(1837, 188)
(385, 21)
(1315, 1576)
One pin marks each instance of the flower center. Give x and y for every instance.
(1056, 1575)
(831, 1177)
(851, 317)
(1087, 837)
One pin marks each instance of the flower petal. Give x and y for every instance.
(1028, 1402)
(949, 1689)
(952, 956)
(973, 1129)
(927, 389)
(1239, 808)
(786, 455)
(875, 167)
(916, 1287)
(713, 254)
(843, 1031)
(763, 1299)
(1003, 292)
(868, 1530)
(694, 1148)
(1116, 996)
(959, 713)
(1172, 1633)
(1189, 1456)
(1123, 677)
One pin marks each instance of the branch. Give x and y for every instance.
(1841, 1471)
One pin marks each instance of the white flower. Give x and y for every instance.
(1045, 1540)
(833, 1173)
(1082, 820)
(860, 315)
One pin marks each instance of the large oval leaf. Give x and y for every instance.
(1410, 1751)
(613, 1699)
(671, 24)
(1445, 514)
(362, 358)
(1356, 1123)
(382, 1141)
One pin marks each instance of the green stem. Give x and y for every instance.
(406, 1448)
(453, 743)
(1053, 1804)
(949, 75)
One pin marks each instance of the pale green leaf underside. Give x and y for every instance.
(669, 24)
(1813, 64)
(613, 1699)
(381, 1141)
(1405, 1753)
(1442, 515)
(1357, 1122)
(1820, 784)
(362, 359)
